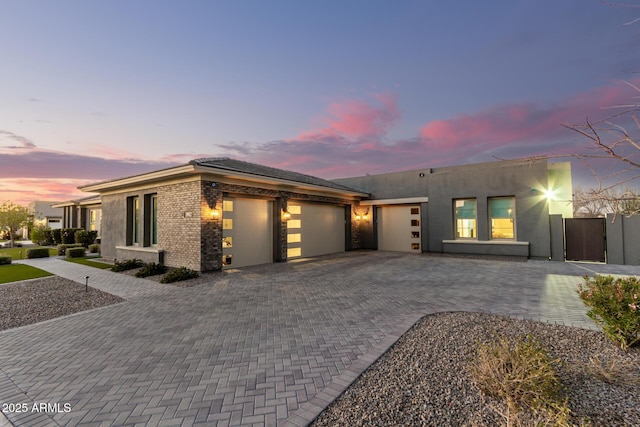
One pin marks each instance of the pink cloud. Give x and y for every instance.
(352, 137)
(505, 125)
(357, 119)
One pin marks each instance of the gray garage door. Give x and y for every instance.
(247, 231)
(399, 228)
(315, 229)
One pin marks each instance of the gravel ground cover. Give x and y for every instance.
(27, 302)
(424, 379)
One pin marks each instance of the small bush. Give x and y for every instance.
(57, 236)
(151, 269)
(615, 306)
(85, 237)
(75, 252)
(37, 253)
(62, 249)
(68, 235)
(127, 264)
(522, 374)
(48, 237)
(39, 234)
(4, 260)
(95, 248)
(179, 274)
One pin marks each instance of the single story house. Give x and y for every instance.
(216, 213)
(82, 213)
(44, 214)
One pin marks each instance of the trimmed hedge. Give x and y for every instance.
(151, 269)
(4, 260)
(85, 237)
(179, 274)
(62, 249)
(95, 248)
(127, 264)
(68, 235)
(57, 236)
(75, 252)
(38, 253)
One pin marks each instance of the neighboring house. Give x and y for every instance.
(45, 214)
(218, 213)
(82, 213)
(497, 208)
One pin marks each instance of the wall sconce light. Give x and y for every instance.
(364, 216)
(286, 215)
(215, 214)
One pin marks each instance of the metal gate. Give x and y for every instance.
(585, 239)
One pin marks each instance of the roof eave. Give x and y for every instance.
(137, 179)
(277, 181)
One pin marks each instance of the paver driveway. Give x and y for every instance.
(267, 345)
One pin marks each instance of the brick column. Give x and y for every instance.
(211, 227)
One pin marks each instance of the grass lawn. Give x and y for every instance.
(21, 253)
(15, 272)
(87, 261)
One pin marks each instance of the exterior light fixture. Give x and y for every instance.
(550, 194)
(286, 215)
(215, 213)
(364, 216)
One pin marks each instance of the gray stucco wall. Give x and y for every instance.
(522, 179)
(623, 240)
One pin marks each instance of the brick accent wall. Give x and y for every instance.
(211, 241)
(180, 220)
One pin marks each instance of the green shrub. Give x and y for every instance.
(62, 249)
(85, 237)
(38, 253)
(4, 260)
(127, 264)
(615, 306)
(69, 235)
(39, 234)
(57, 236)
(48, 237)
(151, 269)
(179, 274)
(75, 252)
(95, 248)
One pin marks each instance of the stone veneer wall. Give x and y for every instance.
(180, 220)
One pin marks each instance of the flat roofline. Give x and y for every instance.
(402, 201)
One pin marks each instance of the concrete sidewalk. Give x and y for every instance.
(267, 345)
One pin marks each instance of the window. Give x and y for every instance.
(227, 205)
(133, 220)
(501, 214)
(154, 220)
(465, 212)
(92, 220)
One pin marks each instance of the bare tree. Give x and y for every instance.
(614, 139)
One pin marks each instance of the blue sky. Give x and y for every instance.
(101, 89)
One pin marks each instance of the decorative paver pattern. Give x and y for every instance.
(267, 345)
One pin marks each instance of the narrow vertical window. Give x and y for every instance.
(92, 220)
(501, 215)
(154, 220)
(466, 219)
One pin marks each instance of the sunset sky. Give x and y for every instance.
(94, 90)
